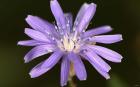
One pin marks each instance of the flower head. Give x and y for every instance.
(69, 43)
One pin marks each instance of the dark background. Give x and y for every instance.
(122, 15)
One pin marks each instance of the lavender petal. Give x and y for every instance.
(37, 71)
(81, 13)
(97, 31)
(53, 59)
(97, 67)
(107, 53)
(69, 19)
(97, 60)
(65, 66)
(30, 43)
(79, 67)
(49, 63)
(88, 15)
(107, 39)
(39, 24)
(58, 13)
(103, 73)
(36, 35)
(38, 51)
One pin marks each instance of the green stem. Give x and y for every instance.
(71, 75)
(71, 82)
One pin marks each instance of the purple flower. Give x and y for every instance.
(69, 43)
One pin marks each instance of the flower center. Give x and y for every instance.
(69, 43)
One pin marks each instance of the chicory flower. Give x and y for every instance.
(69, 43)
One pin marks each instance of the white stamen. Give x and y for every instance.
(76, 23)
(68, 21)
(53, 38)
(83, 31)
(56, 27)
(67, 25)
(61, 40)
(48, 33)
(50, 50)
(74, 29)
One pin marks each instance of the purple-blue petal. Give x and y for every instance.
(69, 21)
(96, 59)
(85, 20)
(30, 43)
(96, 66)
(38, 51)
(36, 35)
(81, 13)
(58, 13)
(47, 65)
(107, 53)
(79, 67)
(37, 71)
(39, 24)
(107, 39)
(53, 59)
(99, 69)
(97, 31)
(65, 67)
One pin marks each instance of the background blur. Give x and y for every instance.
(122, 15)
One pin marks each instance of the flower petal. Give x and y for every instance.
(38, 51)
(107, 39)
(87, 16)
(69, 19)
(39, 24)
(65, 66)
(79, 67)
(103, 73)
(81, 13)
(97, 31)
(37, 71)
(97, 67)
(53, 59)
(107, 53)
(36, 35)
(93, 57)
(49, 63)
(30, 43)
(58, 13)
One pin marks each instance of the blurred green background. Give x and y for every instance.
(122, 15)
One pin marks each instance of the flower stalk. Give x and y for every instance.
(71, 82)
(71, 75)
